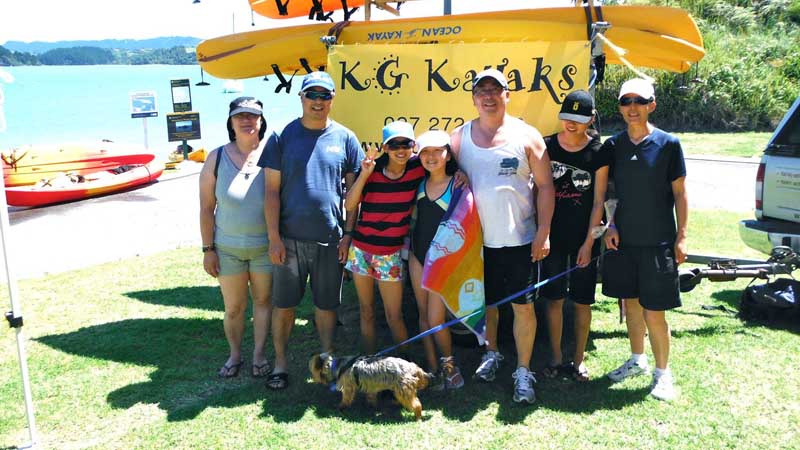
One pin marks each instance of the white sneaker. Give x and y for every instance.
(630, 368)
(523, 385)
(490, 362)
(663, 387)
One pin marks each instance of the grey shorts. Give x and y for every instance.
(308, 261)
(233, 261)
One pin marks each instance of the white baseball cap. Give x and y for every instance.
(638, 86)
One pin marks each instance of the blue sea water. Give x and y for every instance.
(47, 105)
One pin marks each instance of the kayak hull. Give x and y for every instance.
(95, 184)
(28, 165)
(653, 36)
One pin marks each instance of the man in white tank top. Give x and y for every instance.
(503, 158)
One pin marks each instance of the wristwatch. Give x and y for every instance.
(347, 232)
(208, 248)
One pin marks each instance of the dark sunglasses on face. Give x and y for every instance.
(398, 145)
(317, 95)
(625, 101)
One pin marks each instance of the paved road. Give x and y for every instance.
(164, 216)
(157, 217)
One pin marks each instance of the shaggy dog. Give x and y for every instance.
(371, 375)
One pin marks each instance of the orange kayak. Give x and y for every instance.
(71, 187)
(28, 165)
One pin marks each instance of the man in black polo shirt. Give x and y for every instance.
(649, 174)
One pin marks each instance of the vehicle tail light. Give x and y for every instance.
(760, 188)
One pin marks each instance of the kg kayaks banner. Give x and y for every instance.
(430, 86)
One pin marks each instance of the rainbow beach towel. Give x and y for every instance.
(454, 264)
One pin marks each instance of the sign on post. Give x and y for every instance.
(181, 95)
(183, 126)
(143, 104)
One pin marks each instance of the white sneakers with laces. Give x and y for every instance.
(663, 386)
(630, 368)
(490, 362)
(523, 385)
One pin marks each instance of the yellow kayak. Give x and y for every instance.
(652, 36)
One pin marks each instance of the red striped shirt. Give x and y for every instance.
(386, 205)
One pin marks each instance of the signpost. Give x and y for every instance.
(183, 125)
(143, 104)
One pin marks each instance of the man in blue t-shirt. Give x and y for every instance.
(649, 175)
(305, 165)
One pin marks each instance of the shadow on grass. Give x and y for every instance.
(206, 298)
(185, 355)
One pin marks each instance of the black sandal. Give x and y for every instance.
(277, 381)
(230, 371)
(260, 370)
(551, 371)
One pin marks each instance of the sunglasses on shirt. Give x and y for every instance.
(398, 145)
(625, 101)
(317, 95)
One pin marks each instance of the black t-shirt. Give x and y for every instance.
(573, 179)
(643, 176)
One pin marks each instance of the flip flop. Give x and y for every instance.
(260, 370)
(230, 371)
(277, 381)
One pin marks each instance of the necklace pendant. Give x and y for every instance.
(246, 176)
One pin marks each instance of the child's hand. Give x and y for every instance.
(368, 163)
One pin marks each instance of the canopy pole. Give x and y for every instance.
(14, 318)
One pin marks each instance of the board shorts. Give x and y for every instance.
(579, 284)
(508, 270)
(308, 261)
(647, 273)
(380, 267)
(233, 260)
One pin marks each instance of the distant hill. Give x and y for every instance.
(38, 47)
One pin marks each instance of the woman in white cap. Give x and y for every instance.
(433, 200)
(234, 232)
(580, 177)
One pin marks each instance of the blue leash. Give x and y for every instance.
(507, 299)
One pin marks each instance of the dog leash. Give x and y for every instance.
(507, 299)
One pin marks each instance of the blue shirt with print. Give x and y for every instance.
(312, 164)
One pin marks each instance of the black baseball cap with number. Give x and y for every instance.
(577, 107)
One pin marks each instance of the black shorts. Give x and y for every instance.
(508, 270)
(580, 283)
(647, 273)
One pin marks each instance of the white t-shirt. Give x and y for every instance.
(502, 183)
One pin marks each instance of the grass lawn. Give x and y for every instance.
(125, 355)
(744, 145)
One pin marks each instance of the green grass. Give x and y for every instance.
(124, 355)
(744, 145)
(739, 145)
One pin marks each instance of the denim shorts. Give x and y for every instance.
(233, 261)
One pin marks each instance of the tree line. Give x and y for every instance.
(83, 56)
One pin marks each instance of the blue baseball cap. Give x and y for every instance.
(320, 79)
(398, 129)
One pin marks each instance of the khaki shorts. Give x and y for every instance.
(233, 261)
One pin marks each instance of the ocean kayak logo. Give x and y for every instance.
(389, 76)
(428, 32)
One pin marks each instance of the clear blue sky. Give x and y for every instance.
(59, 20)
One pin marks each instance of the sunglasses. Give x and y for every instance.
(626, 101)
(491, 91)
(398, 145)
(317, 95)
